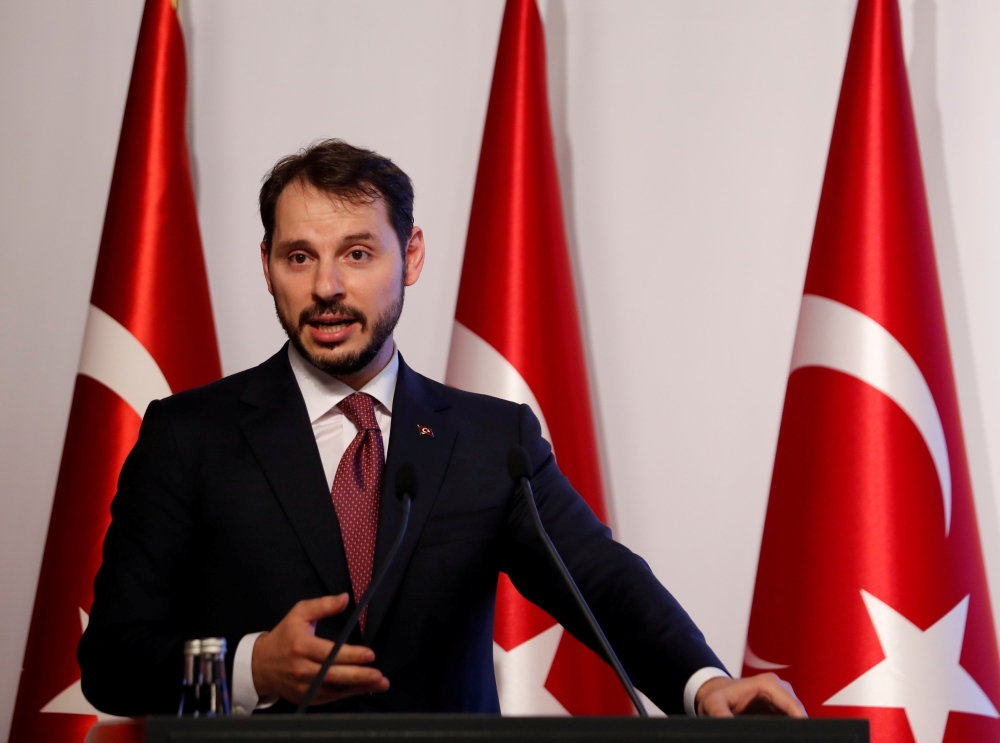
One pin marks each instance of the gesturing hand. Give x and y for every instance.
(765, 694)
(286, 659)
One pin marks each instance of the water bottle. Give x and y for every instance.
(191, 681)
(213, 691)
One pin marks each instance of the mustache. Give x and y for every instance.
(332, 308)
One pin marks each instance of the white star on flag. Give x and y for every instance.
(526, 667)
(71, 701)
(920, 673)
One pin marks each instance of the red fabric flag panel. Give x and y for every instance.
(149, 333)
(871, 594)
(516, 271)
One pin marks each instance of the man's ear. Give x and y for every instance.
(265, 254)
(414, 257)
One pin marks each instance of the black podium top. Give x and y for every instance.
(484, 729)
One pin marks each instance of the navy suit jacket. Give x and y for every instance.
(223, 521)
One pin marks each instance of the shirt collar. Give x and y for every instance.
(322, 391)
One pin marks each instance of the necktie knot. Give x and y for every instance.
(360, 410)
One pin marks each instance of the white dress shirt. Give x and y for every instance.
(334, 433)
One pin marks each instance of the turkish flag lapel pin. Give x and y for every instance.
(425, 430)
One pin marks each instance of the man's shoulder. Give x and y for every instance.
(225, 396)
(466, 404)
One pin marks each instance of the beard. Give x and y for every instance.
(354, 361)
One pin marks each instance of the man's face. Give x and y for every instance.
(337, 273)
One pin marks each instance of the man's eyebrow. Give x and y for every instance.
(357, 237)
(293, 244)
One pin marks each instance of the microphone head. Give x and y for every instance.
(518, 464)
(406, 481)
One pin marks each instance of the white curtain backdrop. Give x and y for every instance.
(692, 137)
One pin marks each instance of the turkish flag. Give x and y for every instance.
(871, 594)
(517, 336)
(149, 333)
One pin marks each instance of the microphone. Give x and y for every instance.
(519, 467)
(406, 491)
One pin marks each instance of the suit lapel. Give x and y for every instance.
(414, 406)
(280, 434)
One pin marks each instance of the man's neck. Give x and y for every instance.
(360, 378)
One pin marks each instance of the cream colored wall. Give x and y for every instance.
(692, 138)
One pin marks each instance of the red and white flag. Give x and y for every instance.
(517, 336)
(149, 333)
(871, 594)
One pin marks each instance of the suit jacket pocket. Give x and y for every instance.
(460, 526)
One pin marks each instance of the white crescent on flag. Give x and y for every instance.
(835, 336)
(475, 366)
(114, 357)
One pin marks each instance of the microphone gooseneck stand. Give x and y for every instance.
(406, 491)
(519, 467)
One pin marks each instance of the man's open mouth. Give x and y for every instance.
(331, 326)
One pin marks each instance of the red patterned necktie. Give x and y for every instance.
(357, 489)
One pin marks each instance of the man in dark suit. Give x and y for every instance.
(259, 507)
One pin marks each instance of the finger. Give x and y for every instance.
(355, 655)
(347, 676)
(317, 649)
(769, 694)
(798, 702)
(326, 695)
(308, 646)
(716, 705)
(784, 699)
(311, 610)
(346, 690)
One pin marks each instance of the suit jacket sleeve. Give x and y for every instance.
(131, 655)
(656, 641)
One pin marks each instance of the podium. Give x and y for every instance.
(476, 729)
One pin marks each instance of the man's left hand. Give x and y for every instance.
(765, 694)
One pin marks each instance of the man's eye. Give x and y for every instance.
(298, 258)
(358, 255)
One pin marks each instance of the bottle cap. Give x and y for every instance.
(213, 645)
(192, 647)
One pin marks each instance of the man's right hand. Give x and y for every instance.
(286, 659)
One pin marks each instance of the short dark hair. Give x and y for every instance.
(350, 172)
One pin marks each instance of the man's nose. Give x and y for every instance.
(327, 285)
